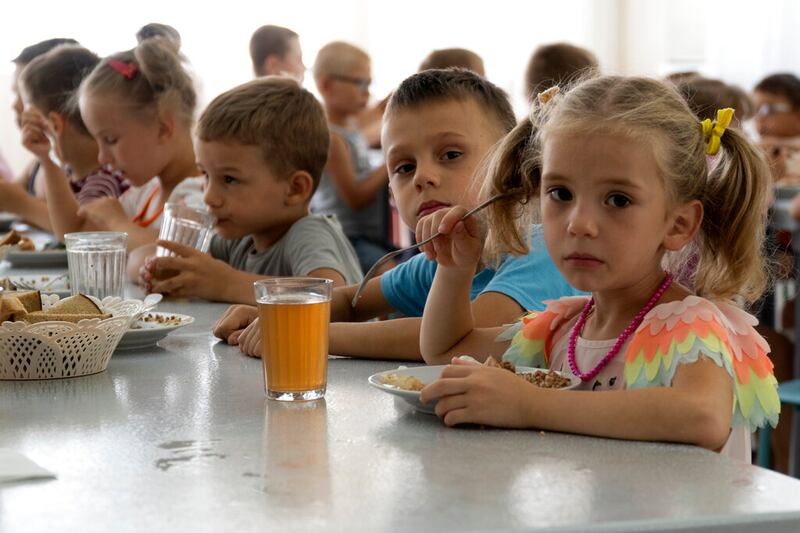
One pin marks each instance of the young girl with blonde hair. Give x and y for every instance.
(139, 106)
(621, 170)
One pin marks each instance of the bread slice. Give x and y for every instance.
(79, 304)
(11, 309)
(41, 316)
(31, 300)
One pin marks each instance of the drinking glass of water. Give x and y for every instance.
(97, 262)
(185, 225)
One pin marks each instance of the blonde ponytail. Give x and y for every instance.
(514, 169)
(511, 167)
(731, 240)
(154, 80)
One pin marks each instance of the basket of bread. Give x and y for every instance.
(45, 337)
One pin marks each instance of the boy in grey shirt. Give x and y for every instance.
(313, 242)
(262, 146)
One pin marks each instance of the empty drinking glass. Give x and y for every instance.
(97, 262)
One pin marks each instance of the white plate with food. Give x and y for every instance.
(22, 252)
(151, 328)
(37, 258)
(47, 284)
(407, 382)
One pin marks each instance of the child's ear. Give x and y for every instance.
(324, 85)
(57, 122)
(684, 225)
(300, 188)
(166, 126)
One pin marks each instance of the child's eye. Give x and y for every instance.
(230, 179)
(403, 169)
(452, 154)
(109, 140)
(560, 194)
(618, 200)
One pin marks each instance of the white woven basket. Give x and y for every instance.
(54, 350)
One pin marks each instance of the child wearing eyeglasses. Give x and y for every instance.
(777, 103)
(351, 188)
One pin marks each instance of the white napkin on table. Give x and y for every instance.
(14, 466)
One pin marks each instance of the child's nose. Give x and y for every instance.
(104, 157)
(582, 222)
(424, 178)
(210, 196)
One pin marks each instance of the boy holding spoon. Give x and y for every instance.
(438, 128)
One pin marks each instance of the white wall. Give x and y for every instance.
(735, 39)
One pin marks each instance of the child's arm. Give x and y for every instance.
(396, 339)
(448, 316)
(356, 194)
(696, 409)
(233, 322)
(63, 209)
(63, 212)
(15, 199)
(400, 338)
(202, 276)
(13, 196)
(107, 214)
(371, 304)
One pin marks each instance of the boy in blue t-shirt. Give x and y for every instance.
(438, 128)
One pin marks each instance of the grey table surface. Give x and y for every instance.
(180, 437)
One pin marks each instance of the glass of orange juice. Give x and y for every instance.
(294, 313)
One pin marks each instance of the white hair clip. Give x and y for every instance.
(545, 96)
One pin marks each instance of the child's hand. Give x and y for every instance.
(199, 274)
(34, 134)
(104, 213)
(146, 274)
(250, 339)
(470, 393)
(231, 325)
(459, 245)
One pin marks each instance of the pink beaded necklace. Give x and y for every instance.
(576, 330)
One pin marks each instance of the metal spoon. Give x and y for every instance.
(371, 272)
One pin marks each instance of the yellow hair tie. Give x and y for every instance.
(712, 131)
